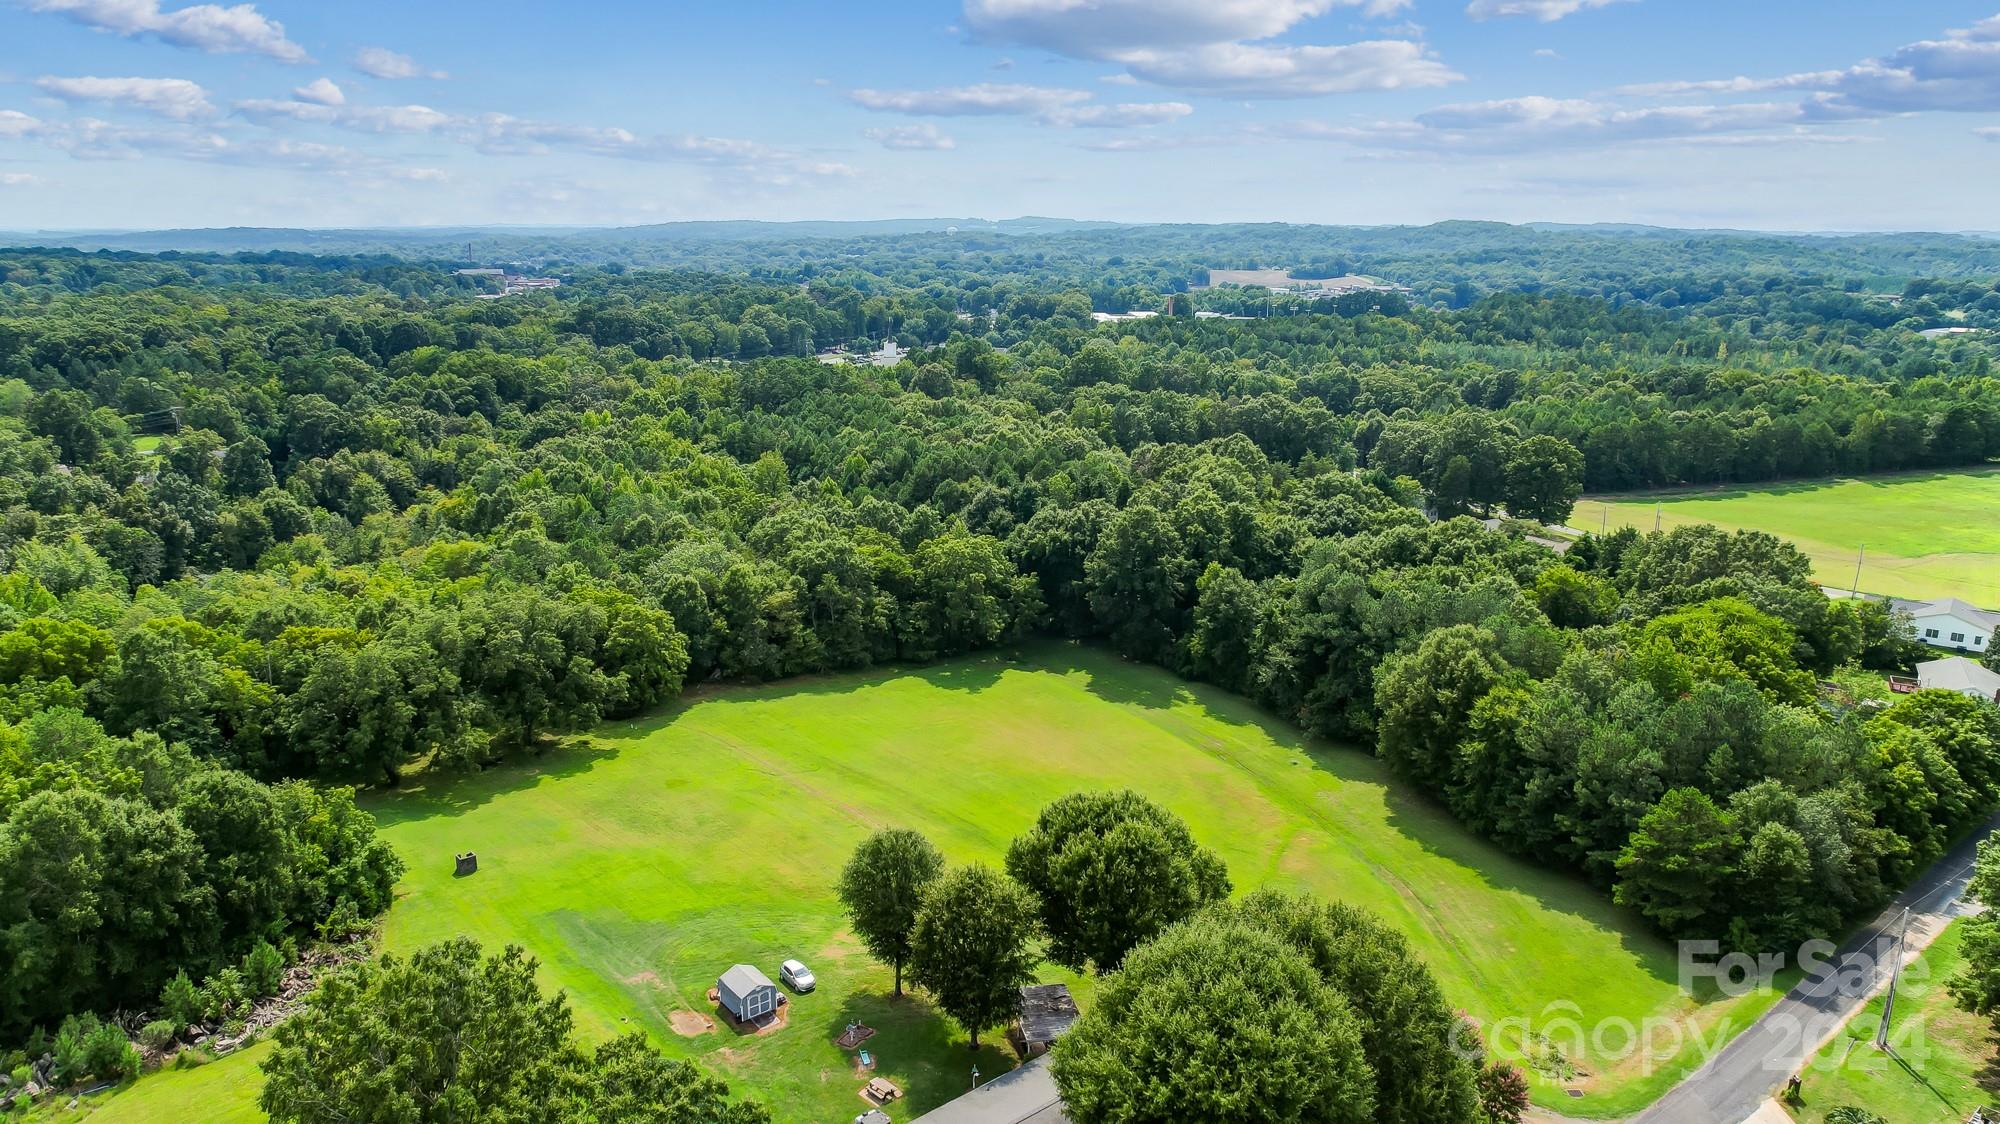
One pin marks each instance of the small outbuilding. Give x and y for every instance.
(1956, 673)
(746, 993)
(1046, 1012)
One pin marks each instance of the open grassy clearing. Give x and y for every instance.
(1944, 1062)
(1928, 535)
(640, 865)
(221, 1092)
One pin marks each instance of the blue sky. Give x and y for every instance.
(1774, 114)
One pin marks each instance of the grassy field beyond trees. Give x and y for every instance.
(1928, 534)
(639, 867)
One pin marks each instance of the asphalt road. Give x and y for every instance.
(1755, 1064)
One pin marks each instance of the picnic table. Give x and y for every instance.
(882, 1090)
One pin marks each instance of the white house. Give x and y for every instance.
(1956, 673)
(1952, 623)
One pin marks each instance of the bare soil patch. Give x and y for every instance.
(688, 1023)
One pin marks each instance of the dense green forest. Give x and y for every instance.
(272, 519)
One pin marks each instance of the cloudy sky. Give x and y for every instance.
(1775, 114)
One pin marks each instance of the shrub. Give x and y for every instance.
(180, 1003)
(108, 1054)
(263, 971)
(223, 994)
(72, 1061)
(158, 1035)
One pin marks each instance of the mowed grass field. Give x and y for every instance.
(1928, 535)
(639, 864)
(1943, 1063)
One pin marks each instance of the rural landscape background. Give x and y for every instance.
(571, 565)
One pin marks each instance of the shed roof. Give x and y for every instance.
(743, 979)
(1958, 674)
(1046, 1011)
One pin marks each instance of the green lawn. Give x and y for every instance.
(1943, 1064)
(641, 864)
(1927, 535)
(221, 1092)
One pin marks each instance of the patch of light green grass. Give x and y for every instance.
(1943, 1062)
(1927, 535)
(223, 1091)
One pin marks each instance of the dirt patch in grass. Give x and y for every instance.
(689, 1024)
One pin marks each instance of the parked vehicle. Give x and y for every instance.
(796, 976)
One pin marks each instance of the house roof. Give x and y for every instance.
(743, 979)
(1958, 674)
(1046, 1011)
(1023, 1096)
(1953, 607)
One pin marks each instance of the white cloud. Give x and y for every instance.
(321, 91)
(987, 99)
(1102, 28)
(501, 134)
(1988, 28)
(912, 138)
(1049, 105)
(19, 179)
(1547, 11)
(1959, 73)
(1128, 115)
(1256, 71)
(1214, 46)
(1991, 134)
(381, 62)
(14, 123)
(1547, 53)
(177, 98)
(1527, 124)
(1737, 85)
(361, 118)
(239, 29)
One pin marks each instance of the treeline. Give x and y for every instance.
(126, 861)
(341, 537)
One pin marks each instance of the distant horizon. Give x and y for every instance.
(441, 228)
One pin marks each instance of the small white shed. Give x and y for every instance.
(746, 993)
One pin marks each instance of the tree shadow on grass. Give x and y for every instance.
(1432, 827)
(916, 1046)
(445, 792)
(1744, 490)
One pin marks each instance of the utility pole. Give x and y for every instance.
(1895, 970)
(1856, 587)
(1656, 519)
